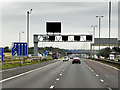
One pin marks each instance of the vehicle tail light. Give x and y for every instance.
(73, 59)
(78, 59)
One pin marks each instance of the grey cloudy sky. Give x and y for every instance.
(76, 17)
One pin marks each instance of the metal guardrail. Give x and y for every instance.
(110, 61)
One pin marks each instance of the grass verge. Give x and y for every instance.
(12, 65)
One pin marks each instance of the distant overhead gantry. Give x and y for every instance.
(53, 34)
(62, 38)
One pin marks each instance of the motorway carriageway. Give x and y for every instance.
(88, 74)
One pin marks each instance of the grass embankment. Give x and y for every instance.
(11, 62)
(12, 65)
(108, 63)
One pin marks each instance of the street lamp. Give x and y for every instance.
(20, 36)
(90, 44)
(19, 42)
(28, 13)
(99, 21)
(94, 35)
(94, 30)
(109, 21)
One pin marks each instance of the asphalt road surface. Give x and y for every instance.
(88, 74)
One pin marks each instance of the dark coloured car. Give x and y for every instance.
(76, 60)
(71, 57)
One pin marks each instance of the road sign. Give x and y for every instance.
(75, 51)
(53, 27)
(19, 49)
(89, 38)
(1, 54)
(45, 53)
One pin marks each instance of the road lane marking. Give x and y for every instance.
(107, 65)
(18, 67)
(51, 87)
(61, 74)
(57, 79)
(109, 88)
(26, 72)
(101, 80)
(97, 75)
(87, 65)
(91, 70)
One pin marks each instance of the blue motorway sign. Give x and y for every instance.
(19, 49)
(75, 51)
(45, 53)
(1, 54)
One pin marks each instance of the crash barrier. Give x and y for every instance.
(108, 61)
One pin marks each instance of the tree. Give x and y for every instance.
(6, 49)
(116, 49)
(104, 52)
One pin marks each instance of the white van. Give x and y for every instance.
(112, 57)
(118, 58)
(65, 58)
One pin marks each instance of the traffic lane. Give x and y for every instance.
(78, 76)
(18, 70)
(109, 74)
(38, 79)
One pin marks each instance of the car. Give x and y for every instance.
(65, 58)
(71, 57)
(76, 60)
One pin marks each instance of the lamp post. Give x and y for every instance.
(19, 42)
(99, 22)
(109, 21)
(20, 36)
(94, 34)
(94, 30)
(28, 13)
(90, 51)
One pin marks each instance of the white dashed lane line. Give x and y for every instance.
(51, 87)
(97, 75)
(101, 80)
(61, 74)
(57, 79)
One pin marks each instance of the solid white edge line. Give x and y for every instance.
(25, 73)
(91, 70)
(109, 88)
(11, 69)
(108, 65)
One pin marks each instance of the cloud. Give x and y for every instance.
(75, 17)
